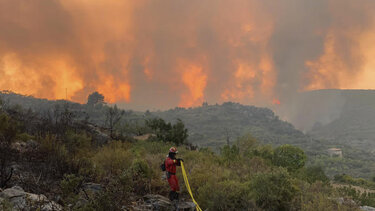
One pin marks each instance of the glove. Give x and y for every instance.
(180, 160)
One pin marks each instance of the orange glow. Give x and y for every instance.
(254, 77)
(114, 90)
(243, 88)
(250, 79)
(367, 77)
(195, 80)
(329, 70)
(30, 81)
(276, 102)
(347, 61)
(147, 71)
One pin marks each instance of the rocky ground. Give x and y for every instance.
(15, 198)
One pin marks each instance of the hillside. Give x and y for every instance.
(342, 116)
(356, 119)
(213, 125)
(58, 165)
(208, 125)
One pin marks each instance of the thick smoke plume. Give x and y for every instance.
(160, 54)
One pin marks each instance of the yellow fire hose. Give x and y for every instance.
(188, 186)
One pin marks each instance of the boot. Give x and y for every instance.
(172, 195)
(177, 196)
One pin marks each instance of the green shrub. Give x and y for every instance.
(55, 155)
(290, 157)
(24, 137)
(264, 151)
(140, 168)
(112, 159)
(225, 195)
(274, 190)
(246, 144)
(116, 194)
(70, 187)
(71, 184)
(140, 173)
(78, 145)
(362, 198)
(5, 205)
(347, 179)
(311, 174)
(230, 154)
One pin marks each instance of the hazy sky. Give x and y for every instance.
(161, 54)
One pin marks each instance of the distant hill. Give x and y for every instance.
(344, 116)
(93, 114)
(213, 125)
(208, 125)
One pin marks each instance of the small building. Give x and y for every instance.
(335, 152)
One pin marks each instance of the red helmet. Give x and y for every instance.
(173, 149)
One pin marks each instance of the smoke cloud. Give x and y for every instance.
(161, 54)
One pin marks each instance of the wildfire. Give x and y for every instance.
(185, 53)
(196, 81)
(347, 59)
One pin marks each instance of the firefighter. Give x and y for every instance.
(170, 165)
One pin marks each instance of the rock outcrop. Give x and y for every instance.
(18, 199)
(367, 208)
(161, 203)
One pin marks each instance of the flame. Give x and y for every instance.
(366, 78)
(349, 49)
(195, 80)
(332, 70)
(251, 78)
(243, 87)
(329, 70)
(147, 70)
(42, 82)
(114, 91)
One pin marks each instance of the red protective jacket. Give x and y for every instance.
(170, 166)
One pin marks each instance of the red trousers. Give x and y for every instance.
(173, 183)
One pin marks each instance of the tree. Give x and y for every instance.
(289, 157)
(160, 128)
(113, 117)
(95, 98)
(167, 132)
(179, 133)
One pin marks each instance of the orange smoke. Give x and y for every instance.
(330, 70)
(131, 51)
(195, 80)
(114, 91)
(349, 52)
(51, 81)
(249, 79)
